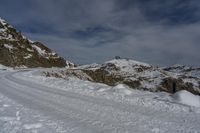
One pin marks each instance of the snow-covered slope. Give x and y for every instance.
(187, 98)
(136, 75)
(49, 105)
(140, 76)
(18, 51)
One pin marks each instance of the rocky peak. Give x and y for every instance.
(16, 50)
(123, 65)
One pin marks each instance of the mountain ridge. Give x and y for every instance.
(136, 75)
(18, 51)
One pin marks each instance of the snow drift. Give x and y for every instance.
(187, 98)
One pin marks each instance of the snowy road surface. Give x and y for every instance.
(28, 106)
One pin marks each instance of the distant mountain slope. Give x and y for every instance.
(18, 51)
(136, 75)
(189, 75)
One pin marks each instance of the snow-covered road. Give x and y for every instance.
(83, 113)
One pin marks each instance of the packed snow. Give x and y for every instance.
(15, 118)
(187, 98)
(32, 126)
(31, 102)
(39, 50)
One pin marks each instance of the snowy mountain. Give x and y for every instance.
(18, 51)
(136, 75)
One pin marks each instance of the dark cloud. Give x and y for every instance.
(156, 31)
(170, 12)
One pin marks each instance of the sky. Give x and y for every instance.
(159, 32)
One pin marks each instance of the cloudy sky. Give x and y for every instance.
(159, 32)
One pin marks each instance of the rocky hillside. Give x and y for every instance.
(136, 75)
(18, 51)
(189, 75)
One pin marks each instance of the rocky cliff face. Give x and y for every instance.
(18, 51)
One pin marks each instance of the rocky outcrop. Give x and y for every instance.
(187, 78)
(68, 73)
(104, 75)
(18, 51)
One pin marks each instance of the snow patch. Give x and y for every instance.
(21, 67)
(92, 66)
(187, 98)
(7, 118)
(2, 67)
(32, 126)
(8, 46)
(28, 56)
(53, 54)
(6, 105)
(18, 116)
(2, 30)
(3, 21)
(30, 50)
(39, 50)
(27, 39)
(122, 89)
